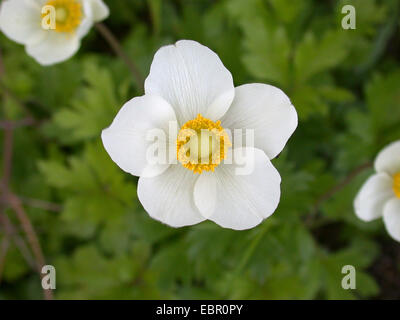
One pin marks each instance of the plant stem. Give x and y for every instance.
(9, 199)
(117, 48)
(250, 251)
(331, 192)
(41, 204)
(33, 240)
(3, 253)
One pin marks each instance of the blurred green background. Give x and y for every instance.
(345, 85)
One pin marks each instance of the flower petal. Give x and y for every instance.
(373, 195)
(388, 160)
(192, 79)
(97, 10)
(126, 140)
(391, 218)
(84, 27)
(55, 47)
(20, 20)
(169, 197)
(243, 201)
(266, 110)
(205, 194)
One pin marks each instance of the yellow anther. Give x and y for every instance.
(68, 14)
(396, 184)
(202, 144)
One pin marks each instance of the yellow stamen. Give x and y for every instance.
(202, 144)
(68, 14)
(396, 184)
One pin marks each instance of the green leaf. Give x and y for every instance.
(267, 52)
(383, 100)
(315, 56)
(93, 107)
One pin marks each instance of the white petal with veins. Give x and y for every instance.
(388, 160)
(192, 79)
(126, 140)
(391, 218)
(373, 195)
(242, 201)
(20, 20)
(169, 197)
(266, 110)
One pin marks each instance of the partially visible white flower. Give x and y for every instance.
(380, 195)
(21, 21)
(189, 85)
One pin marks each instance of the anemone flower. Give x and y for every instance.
(188, 85)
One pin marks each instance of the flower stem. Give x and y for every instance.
(335, 189)
(9, 199)
(250, 251)
(33, 240)
(117, 48)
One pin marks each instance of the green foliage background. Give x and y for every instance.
(345, 85)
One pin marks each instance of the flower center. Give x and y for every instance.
(396, 184)
(202, 144)
(68, 14)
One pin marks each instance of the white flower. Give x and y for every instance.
(189, 84)
(380, 195)
(27, 22)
